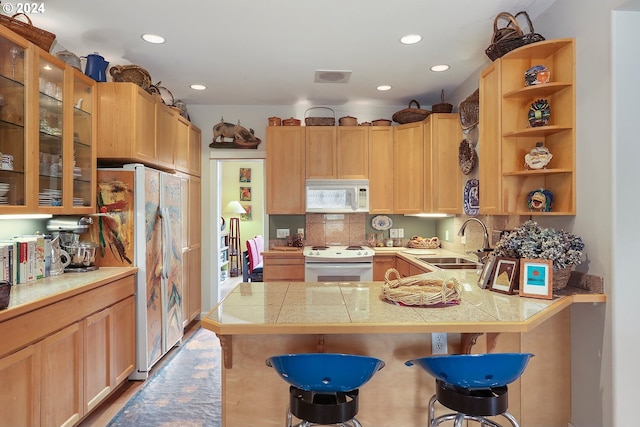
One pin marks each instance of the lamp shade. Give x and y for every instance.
(234, 207)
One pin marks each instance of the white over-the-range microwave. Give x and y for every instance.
(337, 195)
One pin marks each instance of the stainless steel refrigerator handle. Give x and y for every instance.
(166, 241)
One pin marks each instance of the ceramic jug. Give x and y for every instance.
(60, 259)
(96, 67)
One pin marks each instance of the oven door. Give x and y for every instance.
(338, 271)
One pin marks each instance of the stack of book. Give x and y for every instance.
(24, 259)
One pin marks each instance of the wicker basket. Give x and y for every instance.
(420, 243)
(420, 290)
(320, 121)
(469, 111)
(41, 38)
(410, 114)
(131, 73)
(511, 36)
(561, 277)
(442, 107)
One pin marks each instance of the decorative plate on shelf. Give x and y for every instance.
(467, 156)
(539, 113)
(381, 222)
(471, 201)
(536, 75)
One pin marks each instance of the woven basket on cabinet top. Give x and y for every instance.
(511, 36)
(410, 114)
(41, 38)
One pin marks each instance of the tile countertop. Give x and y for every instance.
(30, 296)
(343, 308)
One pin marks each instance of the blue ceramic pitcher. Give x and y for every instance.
(96, 67)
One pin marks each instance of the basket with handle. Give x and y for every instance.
(320, 121)
(511, 36)
(420, 290)
(410, 114)
(441, 107)
(41, 38)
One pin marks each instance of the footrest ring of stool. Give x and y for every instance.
(323, 408)
(479, 402)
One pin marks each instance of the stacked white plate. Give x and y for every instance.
(4, 189)
(77, 171)
(50, 197)
(78, 201)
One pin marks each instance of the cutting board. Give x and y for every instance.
(285, 248)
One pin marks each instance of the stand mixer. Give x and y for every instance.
(81, 255)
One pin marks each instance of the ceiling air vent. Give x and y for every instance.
(332, 76)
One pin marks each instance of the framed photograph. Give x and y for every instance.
(246, 216)
(485, 274)
(245, 194)
(536, 278)
(245, 174)
(505, 275)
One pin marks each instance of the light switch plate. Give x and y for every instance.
(393, 233)
(401, 232)
(281, 233)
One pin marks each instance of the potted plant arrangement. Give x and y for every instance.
(532, 241)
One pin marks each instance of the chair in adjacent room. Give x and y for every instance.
(324, 387)
(252, 261)
(473, 385)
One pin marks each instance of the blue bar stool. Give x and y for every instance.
(324, 386)
(473, 385)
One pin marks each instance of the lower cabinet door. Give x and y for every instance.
(61, 377)
(124, 340)
(20, 390)
(97, 375)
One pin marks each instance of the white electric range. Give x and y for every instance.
(338, 263)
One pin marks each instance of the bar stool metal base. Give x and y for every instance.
(314, 408)
(470, 405)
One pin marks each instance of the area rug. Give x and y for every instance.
(184, 392)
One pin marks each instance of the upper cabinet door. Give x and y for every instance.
(320, 145)
(285, 170)
(352, 152)
(51, 127)
(83, 155)
(14, 169)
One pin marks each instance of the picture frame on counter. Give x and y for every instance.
(536, 278)
(487, 269)
(505, 275)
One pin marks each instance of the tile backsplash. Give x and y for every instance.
(335, 229)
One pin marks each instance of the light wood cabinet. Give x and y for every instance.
(47, 125)
(337, 152)
(381, 263)
(381, 167)
(286, 267)
(507, 102)
(409, 171)
(443, 178)
(285, 170)
(166, 134)
(188, 148)
(75, 352)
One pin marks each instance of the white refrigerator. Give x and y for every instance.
(140, 224)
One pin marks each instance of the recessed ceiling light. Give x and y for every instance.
(442, 67)
(410, 39)
(383, 87)
(153, 38)
(198, 87)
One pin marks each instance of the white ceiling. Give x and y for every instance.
(259, 52)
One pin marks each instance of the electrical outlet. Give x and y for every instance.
(282, 233)
(401, 232)
(301, 231)
(439, 343)
(393, 233)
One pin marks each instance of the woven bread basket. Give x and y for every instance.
(131, 73)
(410, 114)
(423, 243)
(420, 290)
(41, 38)
(320, 121)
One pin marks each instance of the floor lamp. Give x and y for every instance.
(234, 208)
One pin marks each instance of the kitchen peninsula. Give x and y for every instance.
(258, 320)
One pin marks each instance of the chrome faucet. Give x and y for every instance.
(484, 252)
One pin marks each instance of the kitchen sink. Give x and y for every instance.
(446, 260)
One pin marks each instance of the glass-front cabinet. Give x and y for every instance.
(50, 132)
(13, 149)
(47, 132)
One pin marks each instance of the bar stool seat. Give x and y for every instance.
(473, 385)
(324, 386)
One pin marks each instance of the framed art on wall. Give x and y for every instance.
(536, 278)
(505, 275)
(245, 174)
(246, 216)
(245, 194)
